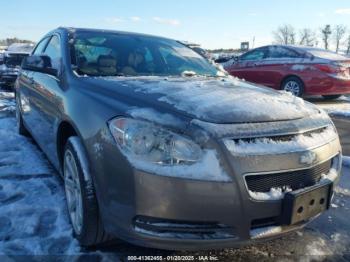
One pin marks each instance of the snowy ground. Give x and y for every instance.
(34, 221)
(338, 107)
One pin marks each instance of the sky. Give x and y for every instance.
(213, 24)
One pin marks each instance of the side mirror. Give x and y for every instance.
(236, 58)
(39, 63)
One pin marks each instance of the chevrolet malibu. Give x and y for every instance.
(158, 147)
(296, 69)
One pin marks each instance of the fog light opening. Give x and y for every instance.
(300, 210)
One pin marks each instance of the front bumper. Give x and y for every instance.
(175, 213)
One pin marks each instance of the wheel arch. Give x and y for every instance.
(289, 76)
(64, 131)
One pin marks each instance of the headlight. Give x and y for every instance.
(152, 143)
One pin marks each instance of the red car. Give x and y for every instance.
(300, 70)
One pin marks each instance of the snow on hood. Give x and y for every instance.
(224, 100)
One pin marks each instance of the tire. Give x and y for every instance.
(21, 129)
(331, 97)
(294, 85)
(84, 213)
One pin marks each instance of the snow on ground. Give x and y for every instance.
(33, 216)
(34, 220)
(339, 107)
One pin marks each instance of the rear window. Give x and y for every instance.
(325, 54)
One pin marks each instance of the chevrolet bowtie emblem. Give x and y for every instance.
(308, 158)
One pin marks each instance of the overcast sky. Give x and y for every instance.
(213, 24)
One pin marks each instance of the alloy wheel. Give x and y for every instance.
(292, 87)
(73, 191)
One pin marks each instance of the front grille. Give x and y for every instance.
(293, 179)
(182, 229)
(281, 138)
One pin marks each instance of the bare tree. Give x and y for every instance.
(348, 46)
(326, 32)
(284, 35)
(307, 37)
(339, 33)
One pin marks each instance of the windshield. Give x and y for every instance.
(113, 54)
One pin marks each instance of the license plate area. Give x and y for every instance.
(302, 205)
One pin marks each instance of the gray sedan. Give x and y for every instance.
(160, 148)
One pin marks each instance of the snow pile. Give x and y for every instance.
(17, 154)
(318, 248)
(274, 194)
(33, 218)
(152, 115)
(339, 107)
(299, 142)
(208, 168)
(6, 103)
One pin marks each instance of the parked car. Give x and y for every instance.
(159, 148)
(198, 49)
(10, 62)
(297, 69)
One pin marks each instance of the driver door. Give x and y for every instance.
(249, 66)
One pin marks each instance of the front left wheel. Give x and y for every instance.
(80, 195)
(293, 85)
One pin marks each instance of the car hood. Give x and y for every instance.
(223, 100)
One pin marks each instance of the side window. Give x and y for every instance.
(53, 50)
(281, 52)
(254, 55)
(40, 47)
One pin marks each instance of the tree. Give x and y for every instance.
(348, 46)
(9, 41)
(326, 32)
(284, 35)
(307, 37)
(339, 33)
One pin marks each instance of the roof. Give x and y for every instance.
(79, 29)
